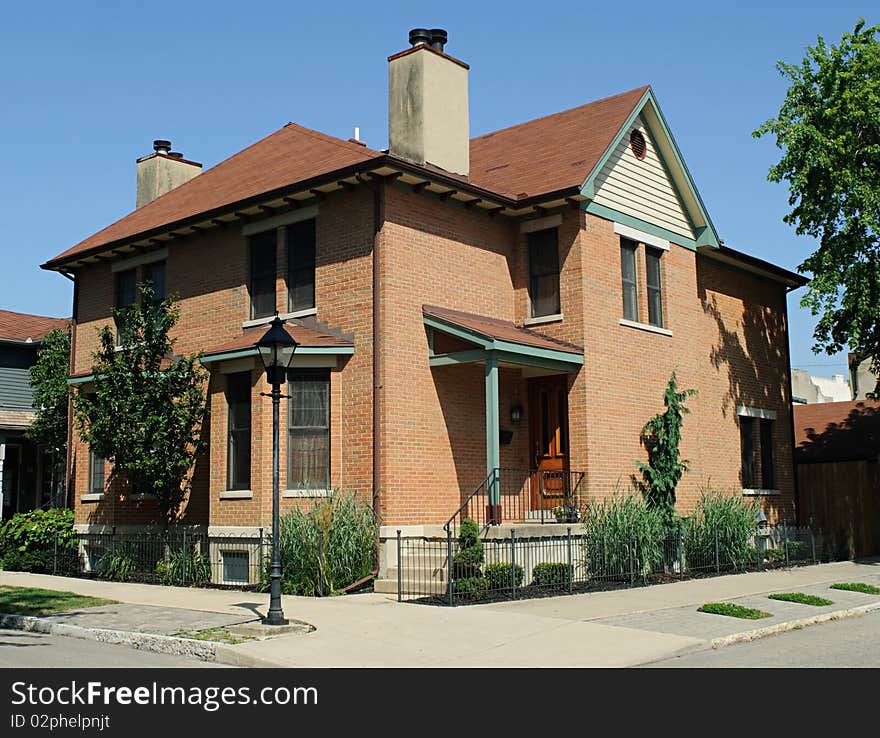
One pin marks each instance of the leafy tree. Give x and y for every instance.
(145, 412)
(661, 437)
(829, 129)
(48, 377)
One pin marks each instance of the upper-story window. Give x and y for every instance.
(655, 297)
(154, 274)
(544, 272)
(262, 285)
(301, 266)
(629, 280)
(125, 289)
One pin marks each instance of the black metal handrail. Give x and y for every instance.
(460, 512)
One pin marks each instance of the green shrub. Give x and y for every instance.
(621, 532)
(550, 574)
(118, 563)
(474, 588)
(28, 540)
(327, 548)
(798, 551)
(195, 570)
(733, 518)
(467, 563)
(501, 576)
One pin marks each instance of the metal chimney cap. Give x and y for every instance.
(175, 154)
(439, 37)
(161, 146)
(419, 36)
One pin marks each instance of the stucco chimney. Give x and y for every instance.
(162, 171)
(428, 104)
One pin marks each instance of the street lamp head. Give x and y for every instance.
(276, 349)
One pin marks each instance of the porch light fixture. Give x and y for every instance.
(762, 519)
(516, 413)
(276, 349)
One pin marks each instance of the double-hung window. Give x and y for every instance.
(629, 280)
(125, 289)
(544, 272)
(263, 269)
(747, 451)
(301, 266)
(308, 443)
(652, 273)
(238, 447)
(154, 274)
(768, 477)
(756, 432)
(96, 473)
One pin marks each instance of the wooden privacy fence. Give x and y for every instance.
(842, 498)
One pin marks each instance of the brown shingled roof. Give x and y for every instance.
(301, 334)
(24, 327)
(501, 330)
(551, 153)
(292, 154)
(837, 431)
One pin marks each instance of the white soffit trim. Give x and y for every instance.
(540, 224)
(641, 236)
(135, 261)
(236, 365)
(755, 412)
(279, 220)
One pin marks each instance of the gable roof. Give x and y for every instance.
(837, 431)
(552, 153)
(25, 328)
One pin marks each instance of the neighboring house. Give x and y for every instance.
(838, 467)
(25, 472)
(806, 388)
(515, 301)
(863, 380)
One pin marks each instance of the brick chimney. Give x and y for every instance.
(162, 171)
(428, 104)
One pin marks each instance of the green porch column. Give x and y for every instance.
(493, 435)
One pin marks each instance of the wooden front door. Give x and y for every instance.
(548, 439)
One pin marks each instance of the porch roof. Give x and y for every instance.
(508, 341)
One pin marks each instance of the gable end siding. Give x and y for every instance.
(641, 188)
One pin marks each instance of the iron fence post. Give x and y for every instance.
(449, 567)
(399, 568)
(321, 562)
(183, 557)
(717, 556)
(55, 554)
(570, 568)
(513, 562)
(262, 553)
(680, 549)
(629, 553)
(113, 541)
(813, 544)
(785, 543)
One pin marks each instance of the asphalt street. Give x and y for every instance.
(26, 650)
(850, 643)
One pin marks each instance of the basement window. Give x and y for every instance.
(235, 567)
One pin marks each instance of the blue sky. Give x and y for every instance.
(86, 87)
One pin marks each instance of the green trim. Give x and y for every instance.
(532, 354)
(706, 234)
(300, 351)
(81, 380)
(566, 366)
(459, 357)
(642, 225)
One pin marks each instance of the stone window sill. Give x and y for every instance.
(645, 327)
(92, 497)
(236, 494)
(293, 493)
(541, 319)
(757, 492)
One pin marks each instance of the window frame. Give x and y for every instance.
(254, 241)
(656, 319)
(301, 261)
(768, 457)
(748, 469)
(308, 375)
(541, 239)
(630, 248)
(96, 463)
(234, 434)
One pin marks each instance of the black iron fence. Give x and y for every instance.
(453, 572)
(178, 556)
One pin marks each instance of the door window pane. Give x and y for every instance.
(301, 266)
(263, 251)
(308, 448)
(544, 272)
(628, 279)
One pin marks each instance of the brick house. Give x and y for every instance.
(515, 301)
(26, 470)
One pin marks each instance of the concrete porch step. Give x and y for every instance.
(409, 587)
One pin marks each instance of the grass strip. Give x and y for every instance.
(218, 635)
(733, 611)
(868, 589)
(34, 601)
(801, 599)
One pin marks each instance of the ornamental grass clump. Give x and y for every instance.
(623, 537)
(326, 548)
(733, 519)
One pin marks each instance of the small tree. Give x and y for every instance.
(48, 377)
(147, 407)
(661, 437)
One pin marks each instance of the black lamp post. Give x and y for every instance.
(276, 349)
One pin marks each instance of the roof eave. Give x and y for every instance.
(738, 259)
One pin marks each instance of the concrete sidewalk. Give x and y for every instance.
(601, 629)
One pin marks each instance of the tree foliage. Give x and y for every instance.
(145, 411)
(48, 377)
(829, 130)
(661, 437)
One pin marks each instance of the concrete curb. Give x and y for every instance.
(753, 635)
